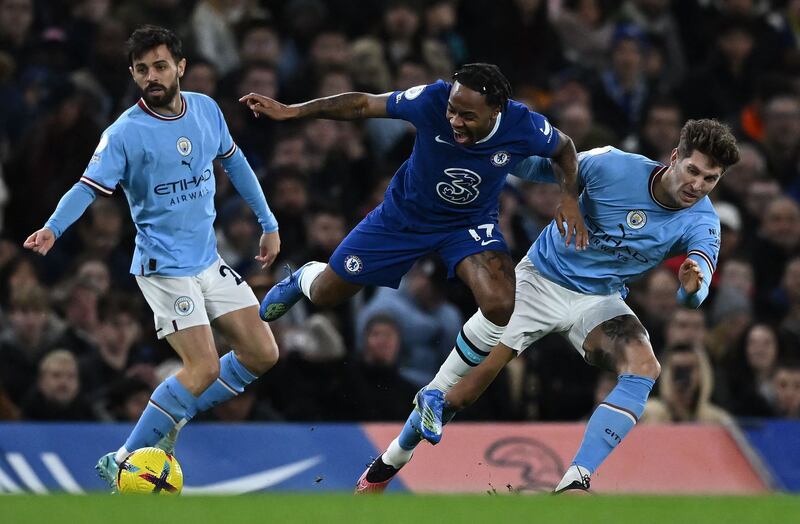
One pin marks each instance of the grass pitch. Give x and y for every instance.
(391, 509)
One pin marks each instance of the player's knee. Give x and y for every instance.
(644, 363)
(498, 308)
(266, 358)
(205, 374)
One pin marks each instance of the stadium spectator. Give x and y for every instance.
(439, 22)
(33, 330)
(685, 327)
(16, 25)
(56, 394)
(259, 41)
(752, 167)
(428, 323)
(685, 393)
(540, 204)
(577, 121)
(126, 399)
(658, 303)
(379, 390)
(789, 296)
(778, 239)
(310, 381)
(212, 25)
(288, 196)
(751, 371)
(622, 92)
(730, 73)
(201, 77)
(781, 140)
(118, 339)
(787, 389)
(592, 20)
(661, 127)
(656, 19)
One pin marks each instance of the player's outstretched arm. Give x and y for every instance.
(345, 106)
(565, 164)
(471, 387)
(40, 241)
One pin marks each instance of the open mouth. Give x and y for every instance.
(460, 137)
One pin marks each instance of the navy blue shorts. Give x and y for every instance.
(377, 253)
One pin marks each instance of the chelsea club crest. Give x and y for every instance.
(636, 219)
(353, 264)
(500, 158)
(184, 146)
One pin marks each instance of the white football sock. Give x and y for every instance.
(121, 455)
(478, 332)
(310, 272)
(396, 456)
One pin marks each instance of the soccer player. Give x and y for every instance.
(160, 151)
(638, 213)
(443, 199)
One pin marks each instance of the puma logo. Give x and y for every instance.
(187, 163)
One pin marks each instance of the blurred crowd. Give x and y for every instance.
(77, 341)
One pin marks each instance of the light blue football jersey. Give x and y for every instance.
(629, 231)
(164, 166)
(444, 185)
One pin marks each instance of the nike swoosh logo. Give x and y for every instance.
(255, 481)
(487, 242)
(443, 141)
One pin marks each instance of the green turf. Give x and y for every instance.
(390, 509)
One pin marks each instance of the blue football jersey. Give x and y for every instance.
(630, 232)
(443, 184)
(164, 166)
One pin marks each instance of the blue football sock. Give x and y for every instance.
(613, 419)
(233, 377)
(169, 404)
(409, 438)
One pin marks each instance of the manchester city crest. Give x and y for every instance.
(184, 146)
(636, 219)
(353, 264)
(184, 306)
(500, 158)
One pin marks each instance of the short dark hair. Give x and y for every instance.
(487, 80)
(148, 37)
(711, 138)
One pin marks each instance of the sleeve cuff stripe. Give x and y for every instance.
(704, 257)
(98, 187)
(230, 152)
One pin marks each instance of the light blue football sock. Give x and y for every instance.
(233, 377)
(613, 419)
(169, 404)
(409, 438)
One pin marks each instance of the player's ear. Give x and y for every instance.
(674, 156)
(181, 67)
